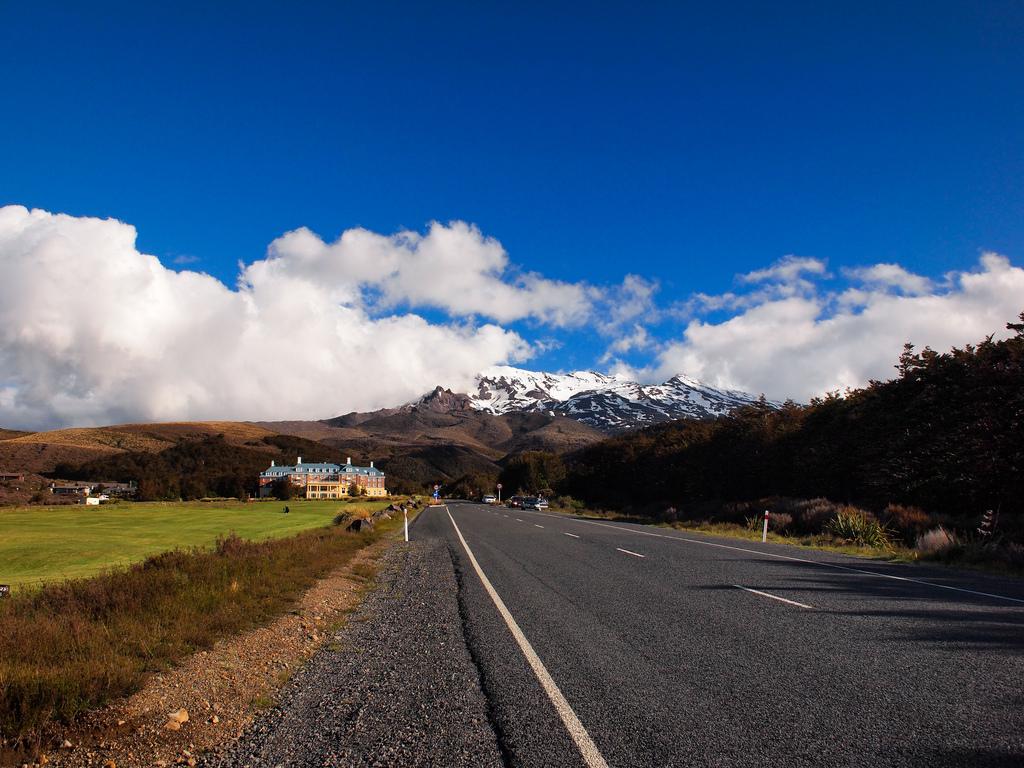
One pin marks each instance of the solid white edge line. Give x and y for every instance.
(773, 597)
(572, 723)
(570, 534)
(628, 552)
(797, 560)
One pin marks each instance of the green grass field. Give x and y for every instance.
(39, 544)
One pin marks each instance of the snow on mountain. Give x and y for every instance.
(610, 403)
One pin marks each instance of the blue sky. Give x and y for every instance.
(686, 144)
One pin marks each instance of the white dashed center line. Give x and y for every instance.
(537, 526)
(629, 552)
(773, 597)
(572, 534)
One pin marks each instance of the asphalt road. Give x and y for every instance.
(673, 649)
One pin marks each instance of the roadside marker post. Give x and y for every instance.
(764, 533)
(405, 514)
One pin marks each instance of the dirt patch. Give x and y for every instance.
(220, 690)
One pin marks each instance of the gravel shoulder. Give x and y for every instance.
(396, 686)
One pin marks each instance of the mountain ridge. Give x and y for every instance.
(610, 403)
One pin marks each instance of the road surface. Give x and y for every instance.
(589, 643)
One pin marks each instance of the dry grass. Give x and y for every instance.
(102, 439)
(67, 648)
(42, 451)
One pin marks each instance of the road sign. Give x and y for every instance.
(498, 486)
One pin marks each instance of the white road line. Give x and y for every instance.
(591, 756)
(519, 519)
(773, 597)
(537, 526)
(571, 534)
(798, 560)
(628, 552)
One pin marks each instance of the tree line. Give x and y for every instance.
(196, 469)
(946, 435)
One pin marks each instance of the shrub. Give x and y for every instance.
(1013, 555)
(909, 522)
(860, 527)
(780, 522)
(802, 516)
(814, 515)
(567, 503)
(936, 542)
(669, 515)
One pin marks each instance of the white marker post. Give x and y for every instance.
(499, 492)
(405, 514)
(764, 533)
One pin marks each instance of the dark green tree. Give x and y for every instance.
(532, 472)
(283, 489)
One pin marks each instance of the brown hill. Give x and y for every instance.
(8, 434)
(43, 451)
(393, 431)
(440, 439)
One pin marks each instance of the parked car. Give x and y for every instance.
(516, 502)
(489, 498)
(534, 502)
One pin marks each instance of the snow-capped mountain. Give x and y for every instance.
(611, 403)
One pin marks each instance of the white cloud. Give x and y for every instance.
(891, 276)
(454, 268)
(92, 331)
(788, 269)
(788, 277)
(629, 302)
(805, 345)
(636, 339)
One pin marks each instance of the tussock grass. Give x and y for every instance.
(859, 527)
(69, 647)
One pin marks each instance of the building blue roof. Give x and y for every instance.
(317, 468)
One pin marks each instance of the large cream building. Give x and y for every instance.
(325, 481)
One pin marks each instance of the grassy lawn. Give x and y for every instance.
(48, 543)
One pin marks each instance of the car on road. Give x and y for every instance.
(535, 502)
(515, 502)
(489, 498)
